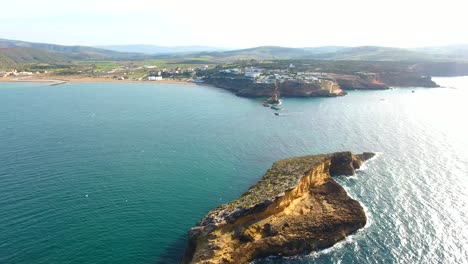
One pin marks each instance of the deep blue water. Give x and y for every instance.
(117, 173)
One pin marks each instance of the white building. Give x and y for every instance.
(233, 71)
(155, 78)
(253, 74)
(25, 73)
(198, 80)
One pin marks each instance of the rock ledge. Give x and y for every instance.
(295, 208)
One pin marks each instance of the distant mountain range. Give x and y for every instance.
(153, 49)
(14, 52)
(364, 53)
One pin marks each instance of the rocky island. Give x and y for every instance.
(295, 208)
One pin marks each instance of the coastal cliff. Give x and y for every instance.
(246, 88)
(329, 85)
(407, 79)
(295, 208)
(382, 81)
(359, 82)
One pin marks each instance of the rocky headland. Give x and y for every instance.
(294, 209)
(382, 81)
(247, 88)
(329, 85)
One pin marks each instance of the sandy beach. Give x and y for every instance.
(56, 80)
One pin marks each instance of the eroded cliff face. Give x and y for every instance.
(247, 88)
(295, 208)
(408, 79)
(382, 80)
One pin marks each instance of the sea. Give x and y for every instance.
(118, 172)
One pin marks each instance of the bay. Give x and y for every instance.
(118, 173)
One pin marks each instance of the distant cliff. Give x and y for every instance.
(357, 82)
(446, 69)
(382, 81)
(295, 208)
(247, 88)
(406, 79)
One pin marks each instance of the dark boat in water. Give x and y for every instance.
(276, 107)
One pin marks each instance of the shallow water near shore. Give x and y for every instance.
(118, 173)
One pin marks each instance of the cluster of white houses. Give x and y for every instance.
(160, 74)
(150, 72)
(5, 74)
(260, 75)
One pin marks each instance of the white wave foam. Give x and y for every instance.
(351, 238)
(364, 165)
(347, 240)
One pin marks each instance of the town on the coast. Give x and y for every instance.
(247, 78)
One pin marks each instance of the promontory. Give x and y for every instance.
(297, 207)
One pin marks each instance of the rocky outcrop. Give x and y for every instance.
(246, 88)
(295, 208)
(382, 80)
(359, 82)
(406, 79)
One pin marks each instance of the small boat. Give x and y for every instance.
(275, 107)
(276, 113)
(58, 83)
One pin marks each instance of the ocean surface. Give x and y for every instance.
(117, 173)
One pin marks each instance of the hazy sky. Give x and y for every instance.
(241, 23)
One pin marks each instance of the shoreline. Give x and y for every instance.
(73, 79)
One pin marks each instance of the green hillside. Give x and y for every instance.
(372, 53)
(27, 55)
(29, 52)
(454, 52)
(6, 62)
(13, 52)
(261, 53)
(364, 53)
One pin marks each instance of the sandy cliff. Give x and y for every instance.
(295, 208)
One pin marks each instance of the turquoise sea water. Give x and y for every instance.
(117, 173)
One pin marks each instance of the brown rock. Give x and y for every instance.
(295, 208)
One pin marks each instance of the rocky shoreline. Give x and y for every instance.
(246, 88)
(332, 86)
(295, 208)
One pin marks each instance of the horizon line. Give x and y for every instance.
(235, 48)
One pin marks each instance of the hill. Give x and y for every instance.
(454, 52)
(363, 53)
(14, 51)
(373, 53)
(325, 49)
(154, 49)
(27, 55)
(259, 53)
